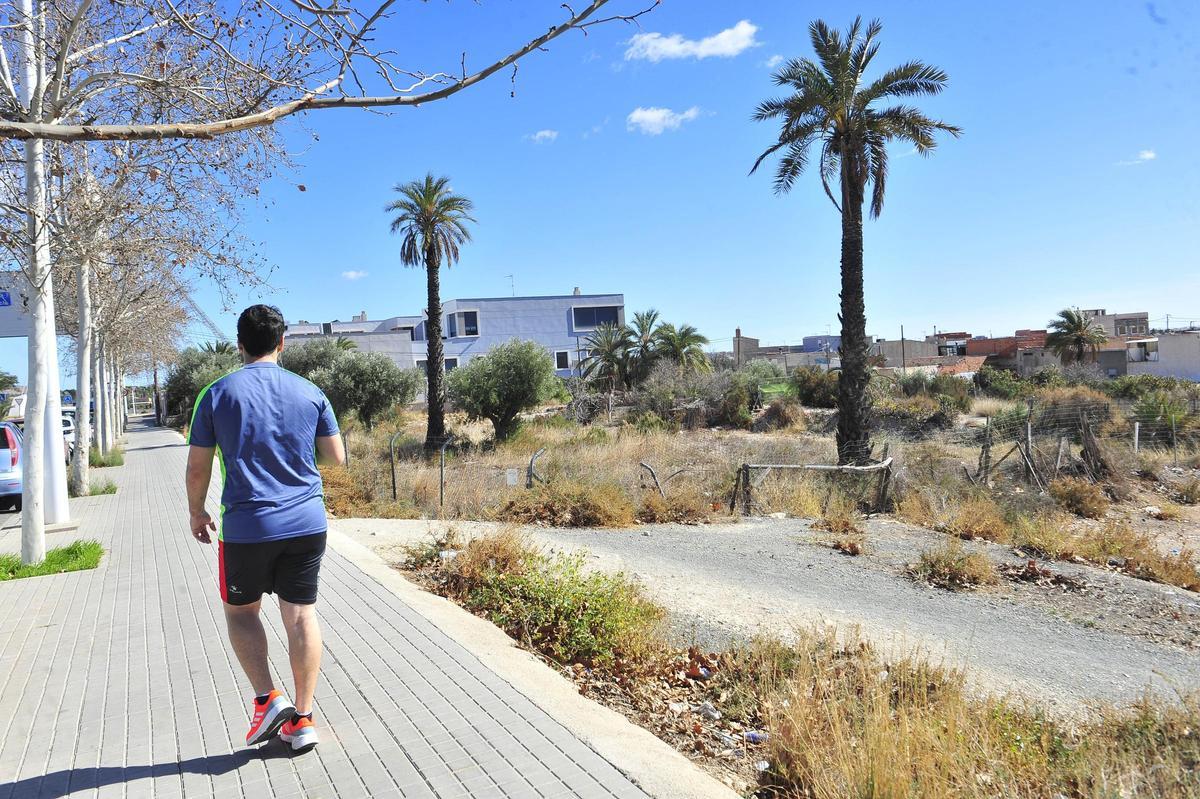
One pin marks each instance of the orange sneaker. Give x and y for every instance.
(269, 717)
(302, 735)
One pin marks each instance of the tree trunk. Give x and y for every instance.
(80, 462)
(104, 442)
(435, 396)
(854, 403)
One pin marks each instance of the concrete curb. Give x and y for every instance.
(655, 766)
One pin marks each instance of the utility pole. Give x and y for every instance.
(902, 358)
(1168, 323)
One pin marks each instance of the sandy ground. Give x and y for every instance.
(725, 583)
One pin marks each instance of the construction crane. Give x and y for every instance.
(203, 317)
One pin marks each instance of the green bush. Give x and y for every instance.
(192, 371)
(1164, 414)
(565, 612)
(816, 387)
(1134, 387)
(734, 410)
(367, 383)
(1001, 383)
(667, 389)
(311, 357)
(649, 422)
(915, 415)
(955, 390)
(511, 378)
(115, 457)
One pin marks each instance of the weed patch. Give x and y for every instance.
(115, 457)
(678, 507)
(570, 504)
(102, 488)
(1081, 497)
(951, 567)
(76, 556)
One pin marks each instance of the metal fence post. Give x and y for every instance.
(392, 456)
(1137, 436)
(1174, 443)
(442, 472)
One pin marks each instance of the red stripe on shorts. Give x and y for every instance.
(221, 569)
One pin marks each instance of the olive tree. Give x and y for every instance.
(367, 383)
(513, 377)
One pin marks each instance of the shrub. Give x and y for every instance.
(785, 413)
(840, 516)
(760, 371)
(102, 488)
(312, 356)
(552, 604)
(564, 503)
(1001, 383)
(915, 415)
(1058, 410)
(1081, 497)
(978, 516)
(1163, 414)
(367, 383)
(649, 422)
(955, 390)
(1134, 387)
(511, 378)
(1136, 553)
(192, 371)
(693, 398)
(815, 387)
(951, 567)
(681, 506)
(993, 406)
(1189, 491)
(734, 410)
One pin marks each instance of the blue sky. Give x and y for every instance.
(1073, 184)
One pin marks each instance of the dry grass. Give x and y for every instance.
(979, 516)
(952, 567)
(850, 544)
(783, 414)
(840, 517)
(992, 406)
(1189, 491)
(844, 722)
(683, 505)
(1135, 553)
(563, 503)
(1081, 497)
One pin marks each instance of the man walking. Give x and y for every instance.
(269, 428)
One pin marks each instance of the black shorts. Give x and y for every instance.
(286, 567)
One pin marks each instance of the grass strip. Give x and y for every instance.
(73, 557)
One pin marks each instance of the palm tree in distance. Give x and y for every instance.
(682, 345)
(642, 342)
(831, 110)
(608, 356)
(1074, 337)
(433, 221)
(219, 348)
(345, 344)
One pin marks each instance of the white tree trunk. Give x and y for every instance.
(56, 509)
(80, 463)
(102, 431)
(33, 523)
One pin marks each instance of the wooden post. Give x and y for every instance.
(1029, 447)
(745, 489)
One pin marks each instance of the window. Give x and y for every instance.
(595, 316)
(450, 363)
(451, 326)
(447, 364)
(470, 323)
(423, 366)
(562, 359)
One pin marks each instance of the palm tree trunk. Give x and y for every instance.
(854, 404)
(435, 430)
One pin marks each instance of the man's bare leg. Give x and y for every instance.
(304, 650)
(249, 641)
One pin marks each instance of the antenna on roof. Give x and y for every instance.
(512, 285)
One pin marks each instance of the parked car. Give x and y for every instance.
(12, 444)
(68, 427)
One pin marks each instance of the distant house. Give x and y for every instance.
(472, 326)
(1166, 354)
(1136, 323)
(950, 343)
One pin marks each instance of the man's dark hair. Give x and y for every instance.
(260, 329)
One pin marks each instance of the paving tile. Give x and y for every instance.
(129, 689)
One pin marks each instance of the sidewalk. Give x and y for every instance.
(118, 682)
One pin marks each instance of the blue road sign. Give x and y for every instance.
(5, 299)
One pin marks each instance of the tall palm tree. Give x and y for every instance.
(1074, 337)
(642, 343)
(832, 110)
(608, 356)
(433, 221)
(683, 345)
(219, 348)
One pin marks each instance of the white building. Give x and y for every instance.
(1166, 354)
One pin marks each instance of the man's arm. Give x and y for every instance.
(330, 450)
(199, 475)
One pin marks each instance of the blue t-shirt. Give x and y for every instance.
(264, 422)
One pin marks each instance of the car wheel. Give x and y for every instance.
(17, 504)
(6, 504)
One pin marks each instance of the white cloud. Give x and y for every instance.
(542, 136)
(653, 121)
(354, 274)
(1142, 157)
(726, 44)
(773, 61)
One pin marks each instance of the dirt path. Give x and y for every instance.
(728, 582)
